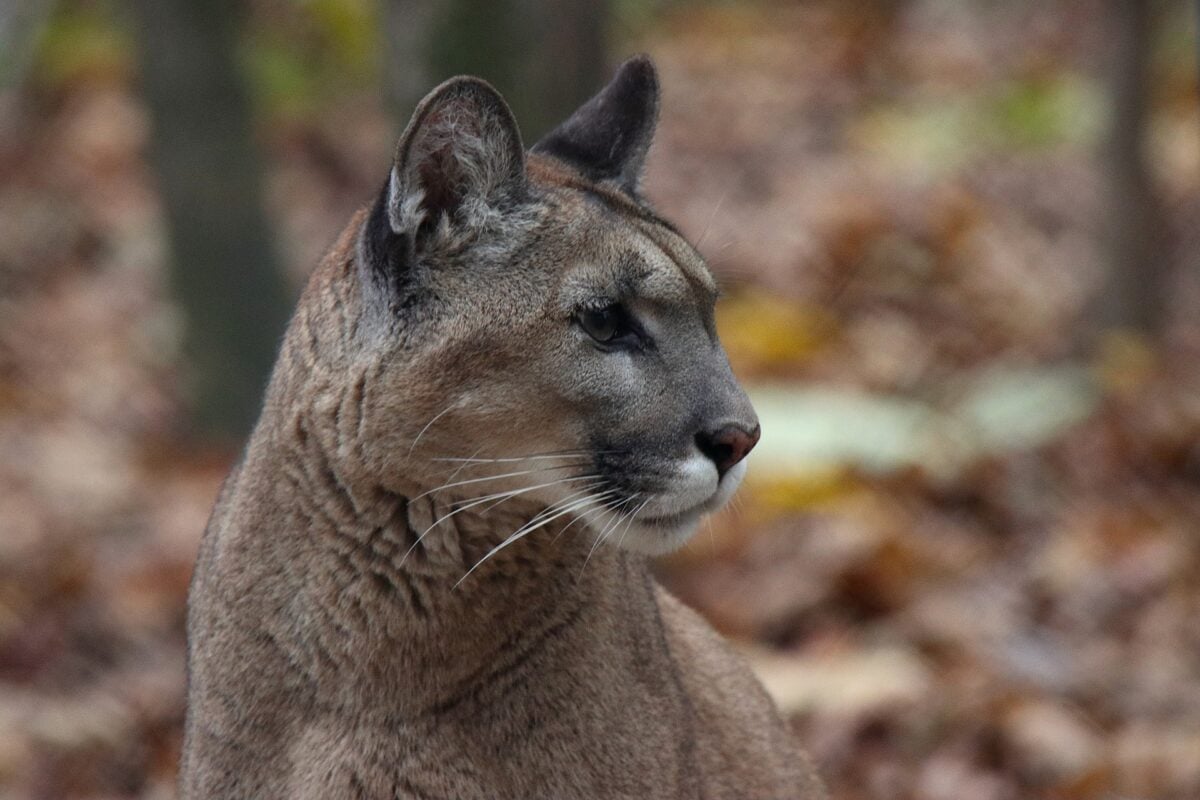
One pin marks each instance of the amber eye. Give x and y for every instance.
(609, 325)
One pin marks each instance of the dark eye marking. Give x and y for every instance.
(612, 327)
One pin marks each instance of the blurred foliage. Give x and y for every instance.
(301, 54)
(940, 134)
(813, 489)
(84, 41)
(1125, 363)
(633, 17)
(765, 333)
(297, 55)
(1041, 112)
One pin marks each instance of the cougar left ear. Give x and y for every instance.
(459, 167)
(460, 158)
(608, 138)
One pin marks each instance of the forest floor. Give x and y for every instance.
(896, 204)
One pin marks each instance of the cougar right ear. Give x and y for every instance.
(608, 137)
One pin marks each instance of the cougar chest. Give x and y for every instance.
(536, 725)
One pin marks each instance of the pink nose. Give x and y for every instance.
(728, 445)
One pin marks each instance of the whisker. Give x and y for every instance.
(548, 454)
(508, 459)
(429, 424)
(606, 500)
(525, 530)
(506, 495)
(598, 482)
(560, 505)
(629, 522)
(712, 218)
(469, 481)
(463, 465)
(599, 537)
(617, 519)
(598, 498)
(626, 519)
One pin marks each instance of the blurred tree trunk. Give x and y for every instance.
(1134, 294)
(545, 56)
(224, 270)
(408, 75)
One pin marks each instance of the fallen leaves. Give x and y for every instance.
(849, 684)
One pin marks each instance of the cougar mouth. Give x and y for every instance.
(678, 518)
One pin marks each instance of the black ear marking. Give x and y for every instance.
(385, 252)
(608, 137)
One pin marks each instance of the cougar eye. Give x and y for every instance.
(610, 325)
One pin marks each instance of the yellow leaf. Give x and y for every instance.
(762, 333)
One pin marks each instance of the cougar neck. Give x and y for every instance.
(376, 601)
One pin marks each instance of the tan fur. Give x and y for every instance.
(334, 652)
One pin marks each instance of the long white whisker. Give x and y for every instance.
(625, 518)
(553, 512)
(474, 460)
(616, 520)
(609, 507)
(605, 501)
(480, 500)
(712, 218)
(598, 481)
(510, 494)
(475, 457)
(463, 465)
(570, 498)
(577, 518)
(525, 530)
(429, 424)
(555, 482)
(469, 481)
(632, 516)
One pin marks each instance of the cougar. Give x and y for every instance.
(427, 577)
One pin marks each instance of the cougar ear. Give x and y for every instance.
(459, 161)
(608, 138)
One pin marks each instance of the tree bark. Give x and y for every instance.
(1134, 294)
(545, 56)
(224, 268)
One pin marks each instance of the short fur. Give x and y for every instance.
(336, 649)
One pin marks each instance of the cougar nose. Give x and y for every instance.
(728, 445)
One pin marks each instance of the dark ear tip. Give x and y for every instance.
(608, 137)
(639, 68)
(638, 77)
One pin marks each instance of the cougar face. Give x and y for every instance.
(537, 331)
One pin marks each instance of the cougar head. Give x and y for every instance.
(537, 330)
